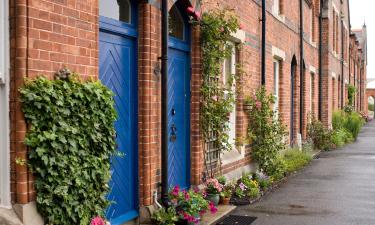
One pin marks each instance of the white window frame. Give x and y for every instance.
(4, 106)
(276, 85)
(238, 152)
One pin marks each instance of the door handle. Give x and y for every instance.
(173, 133)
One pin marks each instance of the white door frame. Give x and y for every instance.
(4, 106)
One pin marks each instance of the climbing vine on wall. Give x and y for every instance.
(71, 140)
(217, 102)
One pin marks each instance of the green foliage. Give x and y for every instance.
(338, 120)
(320, 135)
(222, 180)
(371, 107)
(217, 99)
(353, 124)
(296, 159)
(71, 140)
(351, 93)
(340, 137)
(265, 132)
(165, 217)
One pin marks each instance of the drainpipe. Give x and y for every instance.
(164, 109)
(320, 60)
(263, 42)
(302, 70)
(342, 63)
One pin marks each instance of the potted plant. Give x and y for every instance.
(227, 193)
(165, 216)
(213, 190)
(189, 205)
(247, 105)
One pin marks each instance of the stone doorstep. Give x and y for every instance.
(222, 211)
(9, 217)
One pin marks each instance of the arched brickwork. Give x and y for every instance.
(369, 93)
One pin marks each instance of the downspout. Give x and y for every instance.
(263, 42)
(302, 70)
(320, 60)
(342, 63)
(164, 110)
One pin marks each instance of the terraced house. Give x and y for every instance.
(311, 55)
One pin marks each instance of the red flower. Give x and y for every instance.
(97, 221)
(190, 10)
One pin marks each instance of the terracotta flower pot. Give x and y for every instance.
(226, 201)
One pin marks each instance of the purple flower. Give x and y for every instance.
(242, 186)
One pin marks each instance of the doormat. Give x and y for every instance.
(237, 220)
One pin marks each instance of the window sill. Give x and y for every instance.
(236, 154)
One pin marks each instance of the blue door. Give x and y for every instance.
(118, 71)
(179, 100)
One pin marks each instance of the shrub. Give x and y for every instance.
(341, 137)
(265, 131)
(354, 124)
(338, 120)
(320, 135)
(71, 140)
(296, 159)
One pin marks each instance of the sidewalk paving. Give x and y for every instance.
(337, 188)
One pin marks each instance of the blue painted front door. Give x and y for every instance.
(118, 71)
(179, 111)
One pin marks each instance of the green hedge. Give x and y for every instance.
(71, 140)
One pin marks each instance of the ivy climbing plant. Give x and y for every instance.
(71, 140)
(218, 99)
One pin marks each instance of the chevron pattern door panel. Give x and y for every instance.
(179, 118)
(117, 65)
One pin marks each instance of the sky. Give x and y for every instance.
(363, 11)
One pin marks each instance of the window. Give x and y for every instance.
(334, 30)
(212, 154)
(228, 70)
(116, 9)
(176, 23)
(312, 25)
(276, 80)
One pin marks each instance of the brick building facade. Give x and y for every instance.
(46, 35)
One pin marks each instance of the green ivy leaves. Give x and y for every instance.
(71, 140)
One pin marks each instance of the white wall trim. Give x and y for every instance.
(4, 106)
(333, 75)
(239, 36)
(278, 53)
(312, 69)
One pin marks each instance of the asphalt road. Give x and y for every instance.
(338, 188)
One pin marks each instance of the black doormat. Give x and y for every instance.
(237, 220)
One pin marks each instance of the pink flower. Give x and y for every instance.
(258, 104)
(190, 10)
(212, 207)
(176, 190)
(97, 221)
(242, 186)
(242, 26)
(186, 195)
(196, 189)
(197, 15)
(222, 29)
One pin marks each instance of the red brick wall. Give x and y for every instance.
(45, 36)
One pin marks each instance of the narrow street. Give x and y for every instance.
(338, 188)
